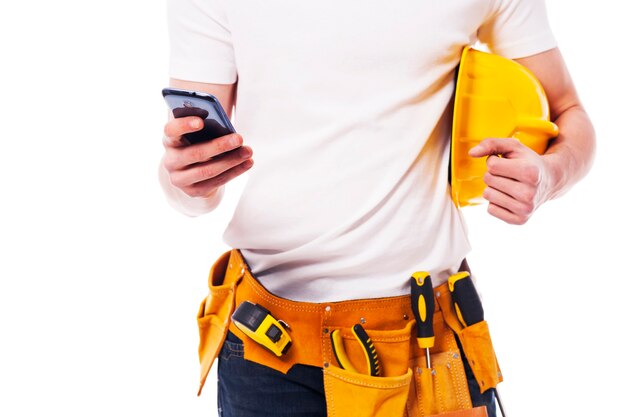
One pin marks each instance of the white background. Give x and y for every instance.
(100, 279)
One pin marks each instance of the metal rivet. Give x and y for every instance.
(404, 316)
(325, 330)
(499, 374)
(419, 371)
(362, 320)
(455, 355)
(438, 294)
(326, 364)
(327, 308)
(243, 270)
(433, 372)
(448, 365)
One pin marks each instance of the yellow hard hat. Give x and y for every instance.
(495, 98)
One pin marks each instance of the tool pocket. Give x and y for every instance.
(393, 348)
(214, 315)
(442, 388)
(478, 348)
(350, 394)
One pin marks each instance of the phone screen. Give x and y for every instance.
(185, 103)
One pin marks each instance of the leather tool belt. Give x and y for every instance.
(406, 386)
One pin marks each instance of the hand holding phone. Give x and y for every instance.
(202, 150)
(185, 103)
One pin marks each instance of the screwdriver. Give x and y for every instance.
(469, 308)
(423, 306)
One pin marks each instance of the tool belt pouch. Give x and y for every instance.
(359, 395)
(214, 314)
(350, 394)
(478, 348)
(442, 388)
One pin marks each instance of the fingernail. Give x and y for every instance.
(195, 123)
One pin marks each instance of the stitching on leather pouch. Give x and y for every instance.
(259, 290)
(436, 383)
(331, 396)
(368, 384)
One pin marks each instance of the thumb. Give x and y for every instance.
(495, 146)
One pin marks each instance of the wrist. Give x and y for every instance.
(555, 168)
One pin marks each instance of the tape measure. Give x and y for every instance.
(258, 324)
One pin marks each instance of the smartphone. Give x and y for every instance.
(185, 103)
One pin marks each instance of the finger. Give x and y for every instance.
(516, 169)
(520, 191)
(181, 158)
(202, 152)
(176, 128)
(203, 188)
(505, 215)
(505, 201)
(495, 146)
(211, 169)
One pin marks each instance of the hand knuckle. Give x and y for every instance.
(221, 180)
(170, 161)
(194, 154)
(531, 174)
(207, 171)
(528, 196)
(223, 145)
(526, 209)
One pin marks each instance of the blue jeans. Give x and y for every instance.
(248, 389)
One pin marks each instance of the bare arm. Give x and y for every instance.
(521, 181)
(571, 154)
(193, 177)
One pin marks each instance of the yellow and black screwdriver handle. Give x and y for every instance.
(423, 306)
(467, 303)
(371, 357)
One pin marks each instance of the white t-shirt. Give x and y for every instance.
(347, 107)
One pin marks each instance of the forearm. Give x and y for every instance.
(570, 155)
(190, 206)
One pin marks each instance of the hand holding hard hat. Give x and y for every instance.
(502, 115)
(517, 178)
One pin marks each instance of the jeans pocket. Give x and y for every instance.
(232, 348)
(360, 395)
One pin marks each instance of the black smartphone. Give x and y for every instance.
(185, 103)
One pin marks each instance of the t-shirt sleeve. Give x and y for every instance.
(517, 28)
(201, 46)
